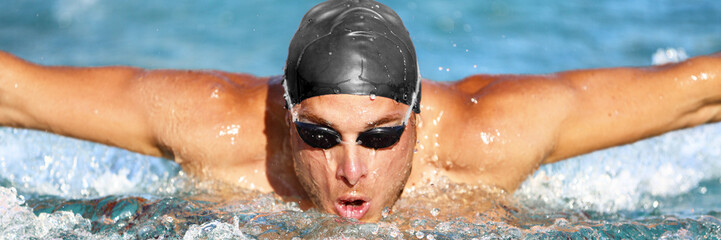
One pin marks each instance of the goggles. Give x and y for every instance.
(319, 136)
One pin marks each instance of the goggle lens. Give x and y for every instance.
(319, 136)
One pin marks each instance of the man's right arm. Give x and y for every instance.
(97, 104)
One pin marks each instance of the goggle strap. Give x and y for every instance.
(288, 102)
(413, 99)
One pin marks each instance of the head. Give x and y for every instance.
(352, 86)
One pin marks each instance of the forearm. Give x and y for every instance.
(622, 105)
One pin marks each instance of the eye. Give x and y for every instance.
(317, 136)
(378, 141)
(378, 138)
(324, 140)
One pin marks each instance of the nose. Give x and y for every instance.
(352, 168)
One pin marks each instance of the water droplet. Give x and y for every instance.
(330, 53)
(373, 96)
(420, 235)
(386, 212)
(362, 17)
(435, 212)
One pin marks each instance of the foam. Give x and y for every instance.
(215, 230)
(41, 163)
(669, 55)
(630, 177)
(19, 221)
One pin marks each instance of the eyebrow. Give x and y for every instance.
(386, 119)
(319, 120)
(316, 119)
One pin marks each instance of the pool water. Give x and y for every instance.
(666, 187)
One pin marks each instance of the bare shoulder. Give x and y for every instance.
(199, 116)
(493, 129)
(214, 122)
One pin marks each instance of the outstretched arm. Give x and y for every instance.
(153, 112)
(96, 104)
(616, 106)
(502, 127)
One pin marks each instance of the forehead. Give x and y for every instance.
(345, 109)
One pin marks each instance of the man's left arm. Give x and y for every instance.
(610, 107)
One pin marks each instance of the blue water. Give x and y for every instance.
(666, 187)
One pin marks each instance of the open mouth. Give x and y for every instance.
(352, 207)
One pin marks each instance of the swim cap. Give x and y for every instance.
(355, 47)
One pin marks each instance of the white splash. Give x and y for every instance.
(42, 163)
(19, 222)
(215, 230)
(110, 183)
(669, 55)
(630, 177)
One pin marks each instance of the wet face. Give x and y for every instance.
(349, 179)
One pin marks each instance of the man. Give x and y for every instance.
(351, 124)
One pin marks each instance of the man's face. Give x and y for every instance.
(349, 179)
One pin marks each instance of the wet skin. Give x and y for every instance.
(485, 129)
(348, 172)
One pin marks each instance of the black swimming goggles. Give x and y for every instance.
(319, 136)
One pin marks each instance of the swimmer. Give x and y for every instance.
(350, 124)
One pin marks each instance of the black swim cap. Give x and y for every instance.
(355, 47)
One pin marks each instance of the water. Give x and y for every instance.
(666, 187)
